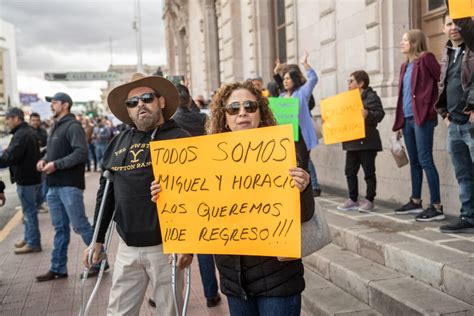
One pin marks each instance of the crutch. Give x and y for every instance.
(84, 311)
(187, 272)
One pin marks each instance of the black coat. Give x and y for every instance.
(466, 29)
(22, 155)
(372, 141)
(245, 276)
(192, 122)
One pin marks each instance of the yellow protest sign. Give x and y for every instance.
(461, 8)
(229, 193)
(342, 117)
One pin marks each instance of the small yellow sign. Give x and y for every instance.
(342, 117)
(229, 193)
(461, 8)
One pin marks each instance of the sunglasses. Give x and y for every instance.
(146, 98)
(234, 107)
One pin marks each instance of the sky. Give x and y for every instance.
(73, 35)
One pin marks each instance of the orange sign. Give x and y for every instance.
(342, 117)
(229, 193)
(461, 8)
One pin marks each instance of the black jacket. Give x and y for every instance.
(245, 276)
(22, 155)
(128, 158)
(373, 105)
(190, 121)
(42, 136)
(67, 147)
(466, 29)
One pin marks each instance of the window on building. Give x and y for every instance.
(280, 35)
(435, 4)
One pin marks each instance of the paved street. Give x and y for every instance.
(21, 295)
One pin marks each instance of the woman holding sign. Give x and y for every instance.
(295, 88)
(256, 285)
(416, 119)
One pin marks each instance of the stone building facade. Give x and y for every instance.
(218, 41)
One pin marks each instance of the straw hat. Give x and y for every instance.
(117, 97)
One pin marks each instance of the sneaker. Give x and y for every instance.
(349, 205)
(27, 249)
(20, 244)
(50, 275)
(410, 208)
(213, 301)
(458, 226)
(316, 192)
(95, 270)
(43, 208)
(431, 214)
(366, 206)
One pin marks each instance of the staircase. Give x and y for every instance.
(385, 264)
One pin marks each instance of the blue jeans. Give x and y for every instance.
(314, 176)
(27, 196)
(99, 153)
(207, 270)
(265, 305)
(66, 204)
(419, 143)
(461, 148)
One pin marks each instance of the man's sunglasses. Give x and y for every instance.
(234, 107)
(146, 98)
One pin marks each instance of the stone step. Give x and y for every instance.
(417, 250)
(385, 290)
(323, 298)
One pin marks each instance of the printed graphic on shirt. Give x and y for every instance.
(137, 157)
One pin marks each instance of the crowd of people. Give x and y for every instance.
(52, 169)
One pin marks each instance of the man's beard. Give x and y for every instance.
(148, 122)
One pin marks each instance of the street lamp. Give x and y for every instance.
(138, 30)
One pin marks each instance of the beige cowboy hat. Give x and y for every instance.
(117, 97)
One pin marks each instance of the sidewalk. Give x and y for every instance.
(20, 294)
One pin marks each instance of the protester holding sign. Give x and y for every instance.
(294, 88)
(147, 104)
(362, 152)
(416, 119)
(256, 285)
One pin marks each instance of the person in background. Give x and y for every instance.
(258, 83)
(64, 166)
(416, 119)
(101, 135)
(2, 193)
(200, 102)
(89, 131)
(457, 68)
(362, 152)
(256, 285)
(42, 134)
(21, 157)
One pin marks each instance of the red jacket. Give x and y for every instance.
(424, 89)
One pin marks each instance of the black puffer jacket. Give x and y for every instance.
(372, 141)
(190, 121)
(466, 29)
(245, 276)
(22, 155)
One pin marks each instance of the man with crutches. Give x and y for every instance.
(146, 104)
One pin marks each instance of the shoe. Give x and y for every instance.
(316, 192)
(94, 271)
(410, 208)
(366, 206)
(43, 208)
(50, 275)
(213, 301)
(458, 226)
(27, 249)
(431, 214)
(20, 244)
(151, 302)
(348, 205)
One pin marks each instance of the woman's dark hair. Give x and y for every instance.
(361, 76)
(273, 89)
(184, 96)
(295, 77)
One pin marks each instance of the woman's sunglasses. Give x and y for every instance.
(234, 107)
(146, 98)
